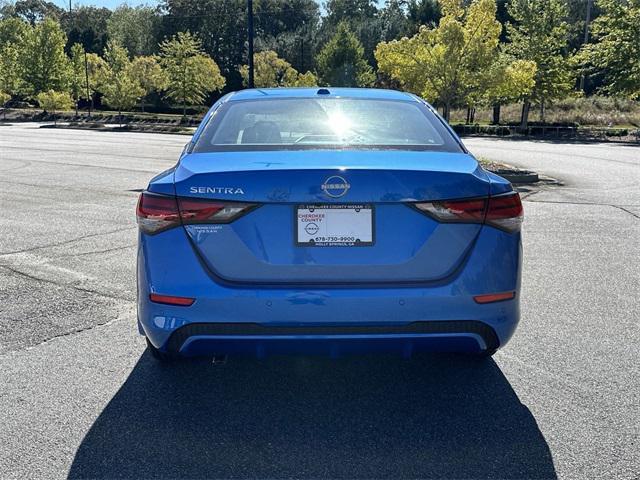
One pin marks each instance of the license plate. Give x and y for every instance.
(334, 225)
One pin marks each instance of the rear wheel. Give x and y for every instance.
(157, 354)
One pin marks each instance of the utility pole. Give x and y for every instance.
(586, 38)
(250, 26)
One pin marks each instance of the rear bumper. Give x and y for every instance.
(260, 340)
(260, 320)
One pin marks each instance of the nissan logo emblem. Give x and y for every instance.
(335, 186)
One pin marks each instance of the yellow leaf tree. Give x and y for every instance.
(447, 63)
(273, 71)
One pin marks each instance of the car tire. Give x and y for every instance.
(157, 354)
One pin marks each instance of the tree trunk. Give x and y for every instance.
(496, 115)
(524, 119)
(468, 116)
(120, 119)
(473, 115)
(184, 110)
(542, 111)
(76, 109)
(446, 111)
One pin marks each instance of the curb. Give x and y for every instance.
(517, 176)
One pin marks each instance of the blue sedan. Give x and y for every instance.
(327, 221)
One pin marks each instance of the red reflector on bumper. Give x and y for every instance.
(169, 300)
(494, 297)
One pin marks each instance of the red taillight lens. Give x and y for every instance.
(495, 297)
(171, 300)
(470, 211)
(503, 211)
(211, 211)
(157, 212)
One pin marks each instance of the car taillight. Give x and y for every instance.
(505, 212)
(156, 213)
(211, 211)
(502, 211)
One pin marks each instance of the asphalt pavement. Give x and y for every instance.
(80, 398)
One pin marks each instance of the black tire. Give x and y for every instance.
(157, 354)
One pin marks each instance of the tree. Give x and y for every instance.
(540, 35)
(272, 71)
(448, 63)
(52, 101)
(222, 28)
(135, 28)
(33, 11)
(96, 70)
(119, 87)
(4, 98)
(511, 81)
(10, 70)
(341, 62)
(150, 75)
(78, 74)
(191, 74)
(288, 28)
(616, 53)
(360, 16)
(423, 12)
(394, 22)
(13, 30)
(86, 25)
(306, 80)
(45, 65)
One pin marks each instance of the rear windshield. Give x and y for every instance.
(310, 123)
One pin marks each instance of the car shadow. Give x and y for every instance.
(356, 417)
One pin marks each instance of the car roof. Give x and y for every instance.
(316, 92)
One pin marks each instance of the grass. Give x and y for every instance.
(594, 111)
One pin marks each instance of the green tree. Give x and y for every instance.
(449, 63)
(10, 69)
(423, 12)
(272, 71)
(150, 75)
(4, 98)
(191, 74)
(511, 81)
(289, 29)
(52, 101)
(86, 25)
(13, 30)
(45, 65)
(119, 87)
(32, 11)
(96, 68)
(341, 62)
(362, 18)
(616, 53)
(77, 77)
(135, 28)
(540, 34)
(306, 80)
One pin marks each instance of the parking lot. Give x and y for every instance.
(80, 398)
